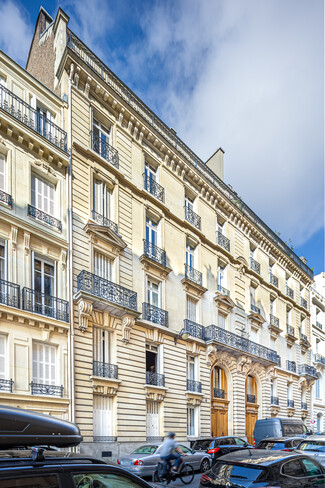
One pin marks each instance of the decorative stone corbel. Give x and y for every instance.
(26, 243)
(127, 325)
(84, 308)
(211, 354)
(14, 235)
(121, 115)
(63, 259)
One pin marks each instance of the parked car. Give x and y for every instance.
(280, 444)
(222, 445)
(257, 468)
(279, 427)
(143, 461)
(314, 446)
(201, 444)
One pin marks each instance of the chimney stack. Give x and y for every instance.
(215, 162)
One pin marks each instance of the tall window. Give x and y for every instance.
(152, 420)
(219, 227)
(43, 195)
(3, 259)
(102, 135)
(102, 199)
(3, 182)
(303, 325)
(318, 386)
(103, 266)
(191, 368)
(192, 421)
(153, 292)
(272, 307)
(44, 363)
(102, 345)
(189, 202)
(191, 306)
(222, 276)
(151, 230)
(221, 320)
(44, 276)
(3, 343)
(42, 126)
(154, 358)
(103, 417)
(190, 255)
(252, 293)
(150, 172)
(290, 391)
(288, 316)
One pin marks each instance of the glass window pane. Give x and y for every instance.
(44, 481)
(106, 479)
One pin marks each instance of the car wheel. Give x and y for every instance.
(205, 465)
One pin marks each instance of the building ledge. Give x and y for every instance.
(151, 263)
(191, 285)
(105, 386)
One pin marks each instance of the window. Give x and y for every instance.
(3, 182)
(239, 442)
(103, 417)
(191, 368)
(191, 306)
(3, 343)
(219, 378)
(318, 386)
(3, 259)
(154, 358)
(151, 230)
(289, 391)
(103, 266)
(44, 284)
(288, 317)
(252, 293)
(102, 135)
(293, 468)
(41, 121)
(35, 481)
(192, 417)
(44, 363)
(101, 199)
(189, 202)
(303, 326)
(222, 276)
(43, 195)
(102, 345)
(190, 255)
(152, 419)
(221, 320)
(219, 228)
(311, 468)
(272, 307)
(110, 480)
(150, 173)
(153, 292)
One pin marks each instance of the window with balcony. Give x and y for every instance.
(254, 308)
(44, 285)
(222, 240)
(190, 255)
(288, 316)
(290, 401)
(102, 137)
(3, 259)
(103, 422)
(192, 377)
(4, 196)
(251, 390)
(102, 354)
(273, 279)
(153, 292)
(103, 266)
(154, 365)
(253, 264)
(152, 421)
(102, 204)
(151, 183)
(222, 280)
(3, 359)
(152, 228)
(43, 201)
(151, 308)
(274, 396)
(191, 217)
(219, 383)
(221, 320)
(45, 367)
(192, 421)
(191, 308)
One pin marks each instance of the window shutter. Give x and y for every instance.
(2, 357)
(103, 416)
(152, 419)
(103, 266)
(44, 364)
(2, 173)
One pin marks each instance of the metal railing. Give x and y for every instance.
(219, 393)
(105, 150)
(107, 290)
(250, 398)
(154, 438)
(6, 385)
(303, 337)
(193, 275)
(319, 325)
(303, 302)
(44, 304)
(5, 197)
(304, 406)
(44, 217)
(101, 220)
(289, 292)
(154, 314)
(255, 266)
(223, 291)
(155, 379)
(9, 294)
(274, 400)
(234, 341)
(154, 252)
(307, 370)
(42, 389)
(279, 361)
(290, 330)
(319, 358)
(223, 241)
(291, 366)
(98, 67)
(195, 330)
(255, 309)
(274, 280)
(105, 438)
(105, 370)
(154, 188)
(193, 218)
(29, 116)
(274, 321)
(290, 403)
(194, 386)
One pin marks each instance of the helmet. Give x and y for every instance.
(171, 434)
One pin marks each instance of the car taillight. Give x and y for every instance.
(254, 443)
(205, 479)
(118, 462)
(212, 451)
(287, 450)
(138, 462)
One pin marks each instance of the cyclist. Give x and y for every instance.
(166, 453)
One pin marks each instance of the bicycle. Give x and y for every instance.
(164, 473)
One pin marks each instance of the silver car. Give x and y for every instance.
(314, 446)
(144, 460)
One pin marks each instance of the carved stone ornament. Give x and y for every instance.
(14, 235)
(84, 308)
(243, 365)
(26, 243)
(211, 354)
(45, 167)
(195, 402)
(105, 390)
(155, 396)
(275, 410)
(127, 325)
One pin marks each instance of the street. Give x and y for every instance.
(178, 483)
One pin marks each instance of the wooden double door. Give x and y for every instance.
(219, 422)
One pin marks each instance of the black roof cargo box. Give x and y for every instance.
(22, 428)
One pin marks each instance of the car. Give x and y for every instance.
(258, 468)
(201, 444)
(314, 446)
(222, 445)
(280, 443)
(279, 427)
(143, 461)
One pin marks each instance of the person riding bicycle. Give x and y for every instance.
(167, 447)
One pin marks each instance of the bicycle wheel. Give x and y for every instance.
(186, 474)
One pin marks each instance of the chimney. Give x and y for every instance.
(303, 259)
(215, 162)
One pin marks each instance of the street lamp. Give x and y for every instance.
(184, 334)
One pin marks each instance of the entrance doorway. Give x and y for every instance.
(252, 407)
(219, 402)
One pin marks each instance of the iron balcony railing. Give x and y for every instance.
(290, 330)
(250, 398)
(155, 379)
(319, 358)
(42, 389)
(274, 321)
(193, 275)
(107, 290)
(223, 291)
(274, 400)
(219, 393)
(319, 325)
(9, 294)
(307, 370)
(303, 337)
(101, 220)
(291, 366)
(105, 150)
(290, 403)
(274, 280)
(44, 217)
(6, 385)
(279, 361)
(154, 314)
(5, 197)
(101, 70)
(289, 292)
(154, 188)
(105, 438)
(105, 370)
(195, 330)
(194, 386)
(255, 309)
(304, 406)
(223, 241)
(192, 218)
(234, 341)
(154, 252)
(303, 302)
(29, 116)
(44, 304)
(255, 266)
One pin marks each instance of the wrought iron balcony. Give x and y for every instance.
(154, 188)
(307, 370)
(291, 366)
(41, 389)
(290, 330)
(105, 150)
(290, 403)
(101, 220)
(304, 406)
(154, 314)
(193, 275)
(105, 370)
(194, 386)
(234, 341)
(48, 305)
(289, 292)
(274, 400)
(274, 321)
(192, 218)
(303, 302)
(195, 330)
(44, 217)
(303, 337)
(255, 309)
(319, 325)
(319, 359)
(155, 379)
(107, 290)
(279, 361)
(5, 198)
(255, 266)
(274, 280)
(223, 241)
(219, 393)
(154, 252)
(6, 385)
(29, 116)
(250, 398)
(223, 291)
(9, 294)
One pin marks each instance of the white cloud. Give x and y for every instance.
(16, 30)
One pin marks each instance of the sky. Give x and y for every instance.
(244, 75)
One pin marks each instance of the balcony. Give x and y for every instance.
(274, 280)
(279, 361)
(290, 403)
(223, 241)
(155, 379)
(291, 366)
(304, 406)
(44, 217)
(195, 330)
(289, 292)
(219, 393)
(41, 389)
(319, 359)
(240, 344)
(105, 370)
(6, 386)
(319, 325)
(193, 275)
(290, 330)
(274, 400)
(303, 303)
(255, 309)
(101, 220)
(223, 291)
(303, 337)
(255, 266)
(193, 386)
(105, 150)
(192, 218)
(250, 398)
(155, 253)
(154, 314)
(9, 294)
(43, 304)
(5, 198)
(274, 321)
(307, 370)
(154, 188)
(30, 117)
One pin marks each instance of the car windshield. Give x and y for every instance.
(271, 445)
(234, 471)
(292, 428)
(146, 450)
(318, 446)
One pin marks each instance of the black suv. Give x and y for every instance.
(223, 445)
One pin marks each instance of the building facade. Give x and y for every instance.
(187, 312)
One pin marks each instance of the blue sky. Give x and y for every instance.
(246, 75)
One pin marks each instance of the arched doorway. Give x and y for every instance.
(251, 407)
(219, 402)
